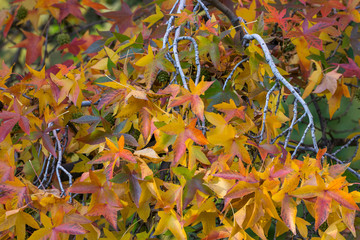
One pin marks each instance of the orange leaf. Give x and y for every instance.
(322, 209)
(288, 212)
(193, 97)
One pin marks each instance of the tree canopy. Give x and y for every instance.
(179, 119)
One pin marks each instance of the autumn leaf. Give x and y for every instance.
(169, 220)
(324, 194)
(9, 120)
(329, 82)
(314, 79)
(231, 110)
(334, 100)
(54, 226)
(276, 17)
(122, 18)
(15, 190)
(288, 212)
(193, 96)
(33, 44)
(183, 16)
(114, 155)
(351, 68)
(104, 201)
(19, 219)
(94, 5)
(67, 8)
(152, 19)
(183, 132)
(210, 26)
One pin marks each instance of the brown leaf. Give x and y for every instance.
(329, 82)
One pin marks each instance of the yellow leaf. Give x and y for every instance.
(111, 54)
(147, 152)
(314, 79)
(152, 19)
(146, 60)
(334, 100)
(301, 225)
(168, 220)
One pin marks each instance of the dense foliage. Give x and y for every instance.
(179, 119)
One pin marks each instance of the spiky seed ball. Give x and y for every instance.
(206, 74)
(22, 13)
(110, 118)
(163, 77)
(63, 38)
(76, 115)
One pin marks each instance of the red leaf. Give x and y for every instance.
(6, 127)
(48, 144)
(74, 46)
(109, 212)
(70, 228)
(69, 7)
(84, 187)
(122, 19)
(322, 209)
(135, 189)
(288, 212)
(33, 45)
(351, 68)
(235, 175)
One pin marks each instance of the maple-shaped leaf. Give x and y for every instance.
(109, 212)
(43, 134)
(177, 127)
(33, 44)
(114, 155)
(55, 226)
(15, 190)
(170, 220)
(122, 18)
(210, 26)
(310, 33)
(275, 16)
(192, 185)
(231, 110)
(184, 16)
(104, 200)
(9, 119)
(19, 219)
(152, 63)
(329, 82)
(73, 47)
(193, 96)
(70, 86)
(334, 100)
(350, 14)
(134, 185)
(351, 68)
(152, 19)
(264, 149)
(226, 135)
(324, 194)
(67, 8)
